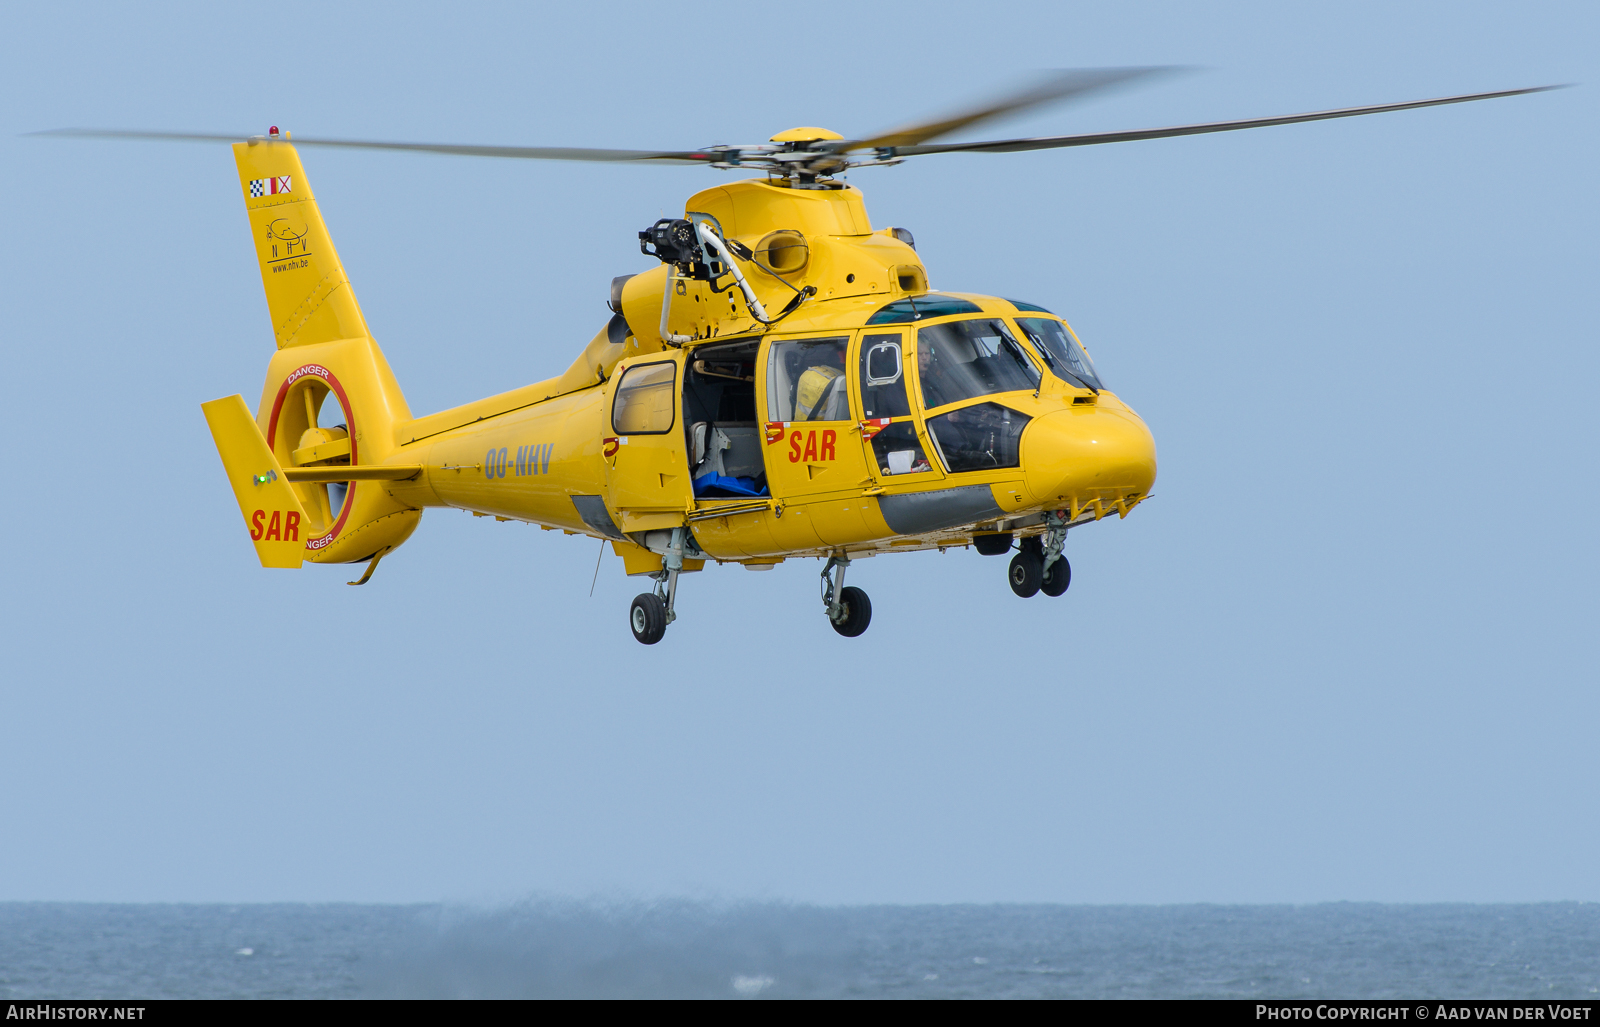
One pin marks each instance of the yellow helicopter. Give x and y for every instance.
(784, 384)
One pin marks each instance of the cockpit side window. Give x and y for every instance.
(963, 359)
(978, 438)
(883, 377)
(1061, 351)
(806, 381)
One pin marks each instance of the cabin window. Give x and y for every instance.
(964, 359)
(1061, 351)
(978, 438)
(644, 402)
(806, 381)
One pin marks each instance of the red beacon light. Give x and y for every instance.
(272, 131)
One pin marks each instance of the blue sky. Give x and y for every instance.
(1347, 651)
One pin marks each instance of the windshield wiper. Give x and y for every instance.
(1064, 374)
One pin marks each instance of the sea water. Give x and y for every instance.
(774, 950)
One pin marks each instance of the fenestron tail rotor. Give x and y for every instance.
(811, 155)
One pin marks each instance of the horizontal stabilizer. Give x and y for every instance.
(272, 513)
(344, 472)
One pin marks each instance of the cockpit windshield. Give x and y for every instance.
(1061, 351)
(962, 359)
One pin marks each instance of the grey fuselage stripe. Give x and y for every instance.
(593, 511)
(917, 512)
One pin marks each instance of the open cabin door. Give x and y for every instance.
(721, 427)
(647, 468)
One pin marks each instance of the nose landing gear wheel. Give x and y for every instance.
(648, 618)
(1026, 573)
(1057, 578)
(857, 612)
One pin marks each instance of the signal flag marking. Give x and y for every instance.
(260, 187)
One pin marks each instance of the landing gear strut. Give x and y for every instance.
(651, 612)
(1057, 572)
(848, 609)
(1039, 565)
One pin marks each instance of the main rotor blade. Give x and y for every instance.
(524, 152)
(1094, 138)
(1059, 86)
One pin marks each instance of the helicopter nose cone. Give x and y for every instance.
(1075, 457)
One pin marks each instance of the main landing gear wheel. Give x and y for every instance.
(1057, 577)
(648, 618)
(849, 610)
(857, 612)
(651, 612)
(1026, 573)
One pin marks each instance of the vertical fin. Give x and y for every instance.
(273, 516)
(308, 296)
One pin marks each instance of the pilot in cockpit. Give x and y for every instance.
(938, 385)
